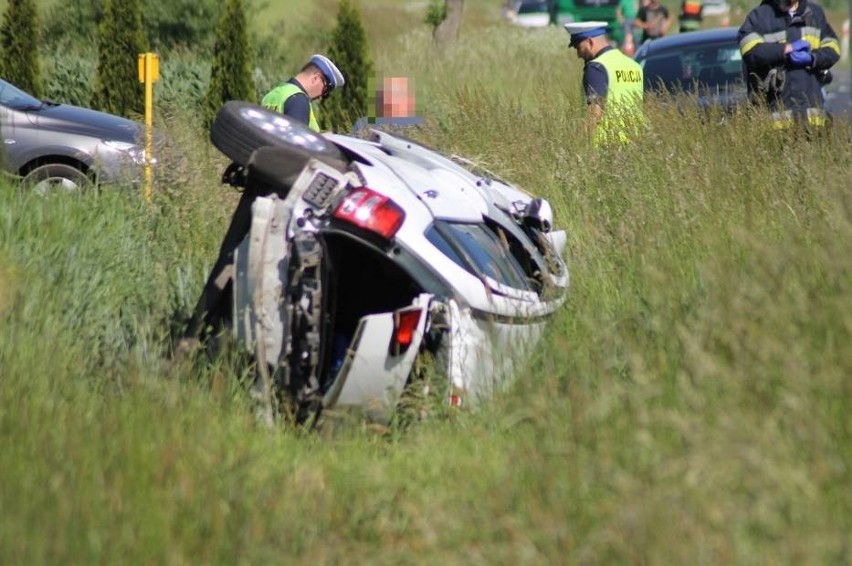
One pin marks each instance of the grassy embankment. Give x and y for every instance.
(689, 405)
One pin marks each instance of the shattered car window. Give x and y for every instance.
(478, 250)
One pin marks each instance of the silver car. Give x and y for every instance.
(54, 146)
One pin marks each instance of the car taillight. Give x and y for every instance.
(404, 324)
(369, 210)
(456, 397)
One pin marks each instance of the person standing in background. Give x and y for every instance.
(626, 14)
(788, 47)
(653, 19)
(691, 15)
(394, 106)
(612, 85)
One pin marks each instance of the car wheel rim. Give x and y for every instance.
(55, 185)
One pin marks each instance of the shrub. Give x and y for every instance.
(349, 51)
(19, 46)
(183, 84)
(167, 24)
(120, 41)
(68, 76)
(231, 76)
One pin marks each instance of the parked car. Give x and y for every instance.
(716, 8)
(62, 147)
(349, 259)
(529, 13)
(704, 63)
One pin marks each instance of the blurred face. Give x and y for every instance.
(397, 101)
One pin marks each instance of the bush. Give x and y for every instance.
(167, 24)
(68, 76)
(120, 41)
(350, 52)
(19, 46)
(231, 75)
(184, 79)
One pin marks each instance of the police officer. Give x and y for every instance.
(315, 81)
(788, 48)
(612, 83)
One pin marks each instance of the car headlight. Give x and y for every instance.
(131, 151)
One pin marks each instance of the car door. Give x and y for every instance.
(19, 135)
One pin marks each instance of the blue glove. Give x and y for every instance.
(801, 45)
(801, 59)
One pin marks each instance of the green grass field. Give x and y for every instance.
(689, 405)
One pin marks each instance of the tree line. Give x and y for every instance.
(121, 34)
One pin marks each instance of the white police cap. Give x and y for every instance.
(584, 30)
(332, 73)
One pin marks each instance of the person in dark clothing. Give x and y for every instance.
(653, 19)
(788, 48)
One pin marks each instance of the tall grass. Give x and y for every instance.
(690, 404)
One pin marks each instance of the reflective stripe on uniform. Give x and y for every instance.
(748, 42)
(784, 119)
(811, 35)
(830, 43)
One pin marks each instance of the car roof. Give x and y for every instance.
(680, 41)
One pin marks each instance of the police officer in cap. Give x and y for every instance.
(788, 48)
(612, 83)
(315, 81)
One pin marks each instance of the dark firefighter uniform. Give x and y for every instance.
(792, 89)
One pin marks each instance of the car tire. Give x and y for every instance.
(56, 178)
(242, 127)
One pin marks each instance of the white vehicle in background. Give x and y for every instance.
(716, 8)
(348, 258)
(529, 13)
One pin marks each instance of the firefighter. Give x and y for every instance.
(788, 48)
(691, 15)
(612, 84)
(314, 81)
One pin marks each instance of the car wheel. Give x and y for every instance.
(56, 178)
(241, 127)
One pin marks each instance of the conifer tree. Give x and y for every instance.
(231, 74)
(350, 52)
(19, 47)
(121, 38)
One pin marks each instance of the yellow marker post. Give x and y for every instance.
(149, 73)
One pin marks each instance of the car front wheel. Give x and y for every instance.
(56, 178)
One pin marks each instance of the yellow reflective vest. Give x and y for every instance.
(275, 99)
(622, 111)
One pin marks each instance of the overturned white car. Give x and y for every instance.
(348, 258)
